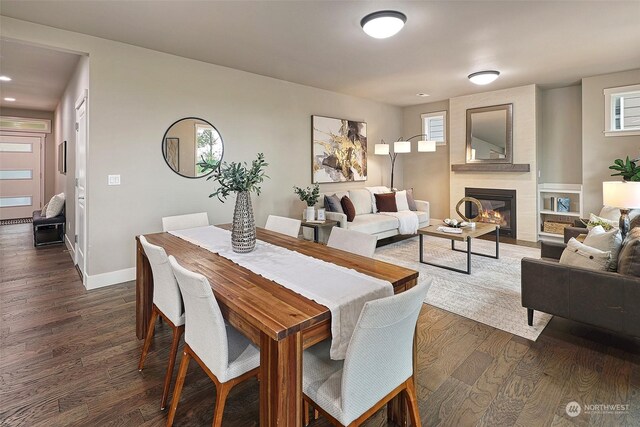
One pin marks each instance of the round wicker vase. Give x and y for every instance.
(243, 232)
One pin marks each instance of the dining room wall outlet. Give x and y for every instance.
(113, 180)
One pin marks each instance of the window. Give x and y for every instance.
(622, 111)
(10, 202)
(16, 174)
(434, 125)
(208, 146)
(19, 124)
(16, 147)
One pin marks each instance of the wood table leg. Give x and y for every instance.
(281, 381)
(144, 292)
(398, 406)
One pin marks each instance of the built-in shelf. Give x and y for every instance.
(549, 212)
(491, 167)
(545, 191)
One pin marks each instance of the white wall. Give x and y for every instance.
(525, 129)
(65, 119)
(136, 93)
(599, 151)
(427, 173)
(561, 139)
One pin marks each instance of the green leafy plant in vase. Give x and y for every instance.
(310, 196)
(627, 169)
(242, 179)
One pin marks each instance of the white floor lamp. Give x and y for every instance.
(402, 146)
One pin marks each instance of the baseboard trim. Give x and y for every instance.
(72, 249)
(111, 278)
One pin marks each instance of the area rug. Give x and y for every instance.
(490, 295)
(15, 221)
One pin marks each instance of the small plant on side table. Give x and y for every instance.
(310, 197)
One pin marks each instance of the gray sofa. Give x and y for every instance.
(605, 299)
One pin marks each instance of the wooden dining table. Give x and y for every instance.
(279, 321)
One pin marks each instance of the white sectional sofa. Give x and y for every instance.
(368, 221)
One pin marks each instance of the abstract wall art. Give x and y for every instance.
(339, 150)
(171, 151)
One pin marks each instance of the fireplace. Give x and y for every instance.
(499, 207)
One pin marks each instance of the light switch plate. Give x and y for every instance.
(113, 180)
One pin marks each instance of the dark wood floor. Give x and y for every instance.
(68, 357)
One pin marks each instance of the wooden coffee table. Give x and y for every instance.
(467, 235)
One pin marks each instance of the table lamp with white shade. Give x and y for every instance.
(624, 195)
(403, 146)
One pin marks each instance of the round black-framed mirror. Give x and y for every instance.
(189, 143)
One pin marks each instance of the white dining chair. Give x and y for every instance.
(352, 241)
(378, 365)
(181, 222)
(167, 303)
(281, 224)
(226, 355)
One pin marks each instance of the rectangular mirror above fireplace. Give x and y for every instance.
(490, 134)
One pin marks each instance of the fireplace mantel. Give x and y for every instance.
(491, 167)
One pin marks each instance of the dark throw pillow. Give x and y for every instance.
(411, 201)
(333, 204)
(386, 202)
(348, 208)
(629, 256)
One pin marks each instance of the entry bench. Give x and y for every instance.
(47, 231)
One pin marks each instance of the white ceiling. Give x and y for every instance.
(39, 75)
(321, 44)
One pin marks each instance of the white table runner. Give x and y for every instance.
(344, 291)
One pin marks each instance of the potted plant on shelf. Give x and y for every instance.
(310, 197)
(241, 179)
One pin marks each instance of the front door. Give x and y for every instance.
(20, 175)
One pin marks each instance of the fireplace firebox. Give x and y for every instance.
(498, 207)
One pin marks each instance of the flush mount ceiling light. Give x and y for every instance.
(484, 77)
(422, 94)
(5, 79)
(383, 24)
(8, 99)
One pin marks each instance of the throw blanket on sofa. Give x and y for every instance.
(408, 221)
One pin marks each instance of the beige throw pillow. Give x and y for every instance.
(606, 241)
(610, 213)
(577, 254)
(361, 199)
(55, 205)
(401, 200)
